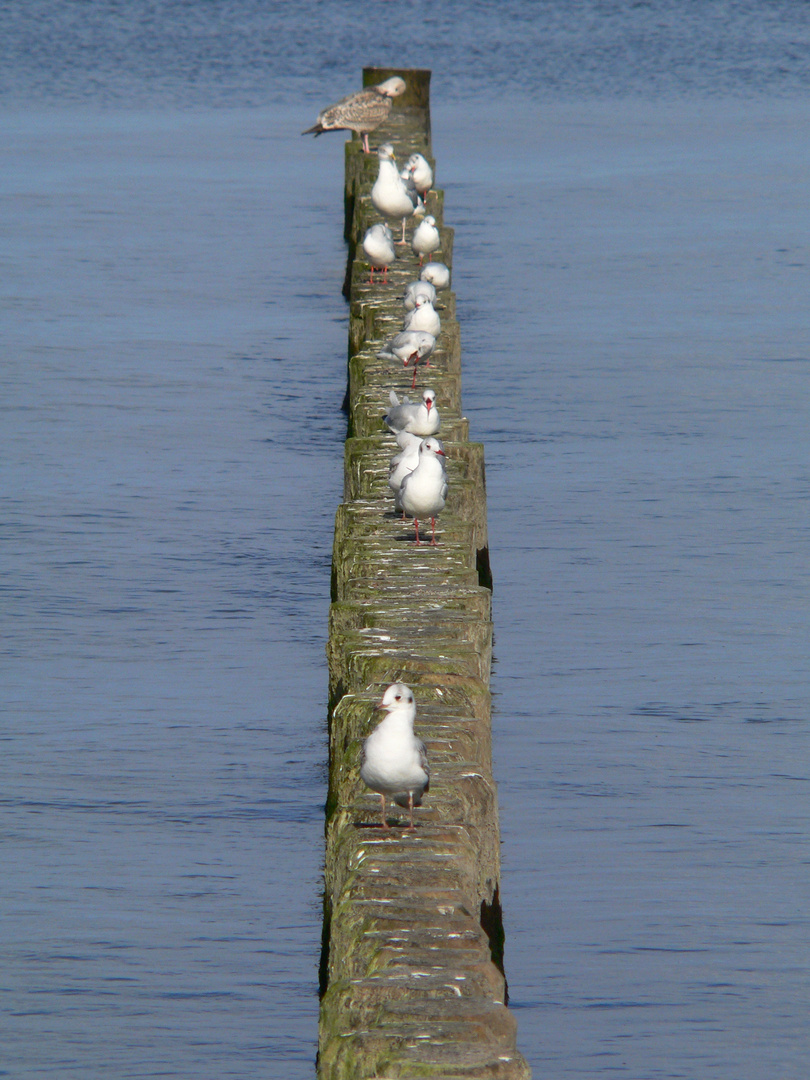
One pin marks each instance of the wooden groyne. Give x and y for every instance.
(412, 973)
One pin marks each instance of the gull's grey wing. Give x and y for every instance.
(423, 761)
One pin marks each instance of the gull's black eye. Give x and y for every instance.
(397, 697)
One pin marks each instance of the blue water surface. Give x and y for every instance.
(628, 187)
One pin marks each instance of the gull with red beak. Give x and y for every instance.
(423, 492)
(410, 347)
(423, 317)
(416, 289)
(402, 464)
(418, 418)
(420, 172)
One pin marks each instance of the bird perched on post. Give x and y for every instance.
(426, 238)
(436, 273)
(393, 762)
(423, 317)
(390, 195)
(418, 288)
(419, 170)
(378, 244)
(361, 112)
(420, 418)
(410, 347)
(423, 492)
(403, 463)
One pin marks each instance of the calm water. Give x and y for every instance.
(632, 242)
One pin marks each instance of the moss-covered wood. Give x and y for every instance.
(411, 972)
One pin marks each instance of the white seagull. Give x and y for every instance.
(426, 238)
(406, 439)
(378, 244)
(423, 492)
(423, 317)
(418, 288)
(402, 464)
(419, 418)
(436, 273)
(390, 194)
(410, 347)
(393, 762)
(361, 112)
(418, 168)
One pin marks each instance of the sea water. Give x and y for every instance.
(627, 184)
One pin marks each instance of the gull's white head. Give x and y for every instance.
(429, 397)
(432, 446)
(396, 696)
(386, 152)
(392, 87)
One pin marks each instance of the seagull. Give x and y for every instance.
(378, 244)
(408, 444)
(420, 172)
(393, 762)
(410, 346)
(361, 112)
(418, 288)
(390, 194)
(402, 464)
(426, 238)
(406, 439)
(436, 273)
(423, 317)
(405, 463)
(423, 492)
(418, 418)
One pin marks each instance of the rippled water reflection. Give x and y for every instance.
(636, 362)
(173, 462)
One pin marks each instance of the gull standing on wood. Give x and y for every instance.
(410, 347)
(390, 194)
(361, 112)
(423, 317)
(402, 464)
(419, 418)
(393, 762)
(418, 288)
(423, 492)
(436, 273)
(419, 170)
(378, 244)
(408, 444)
(426, 238)
(406, 439)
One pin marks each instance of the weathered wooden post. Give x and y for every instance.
(412, 976)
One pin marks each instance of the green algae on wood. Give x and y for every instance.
(412, 980)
